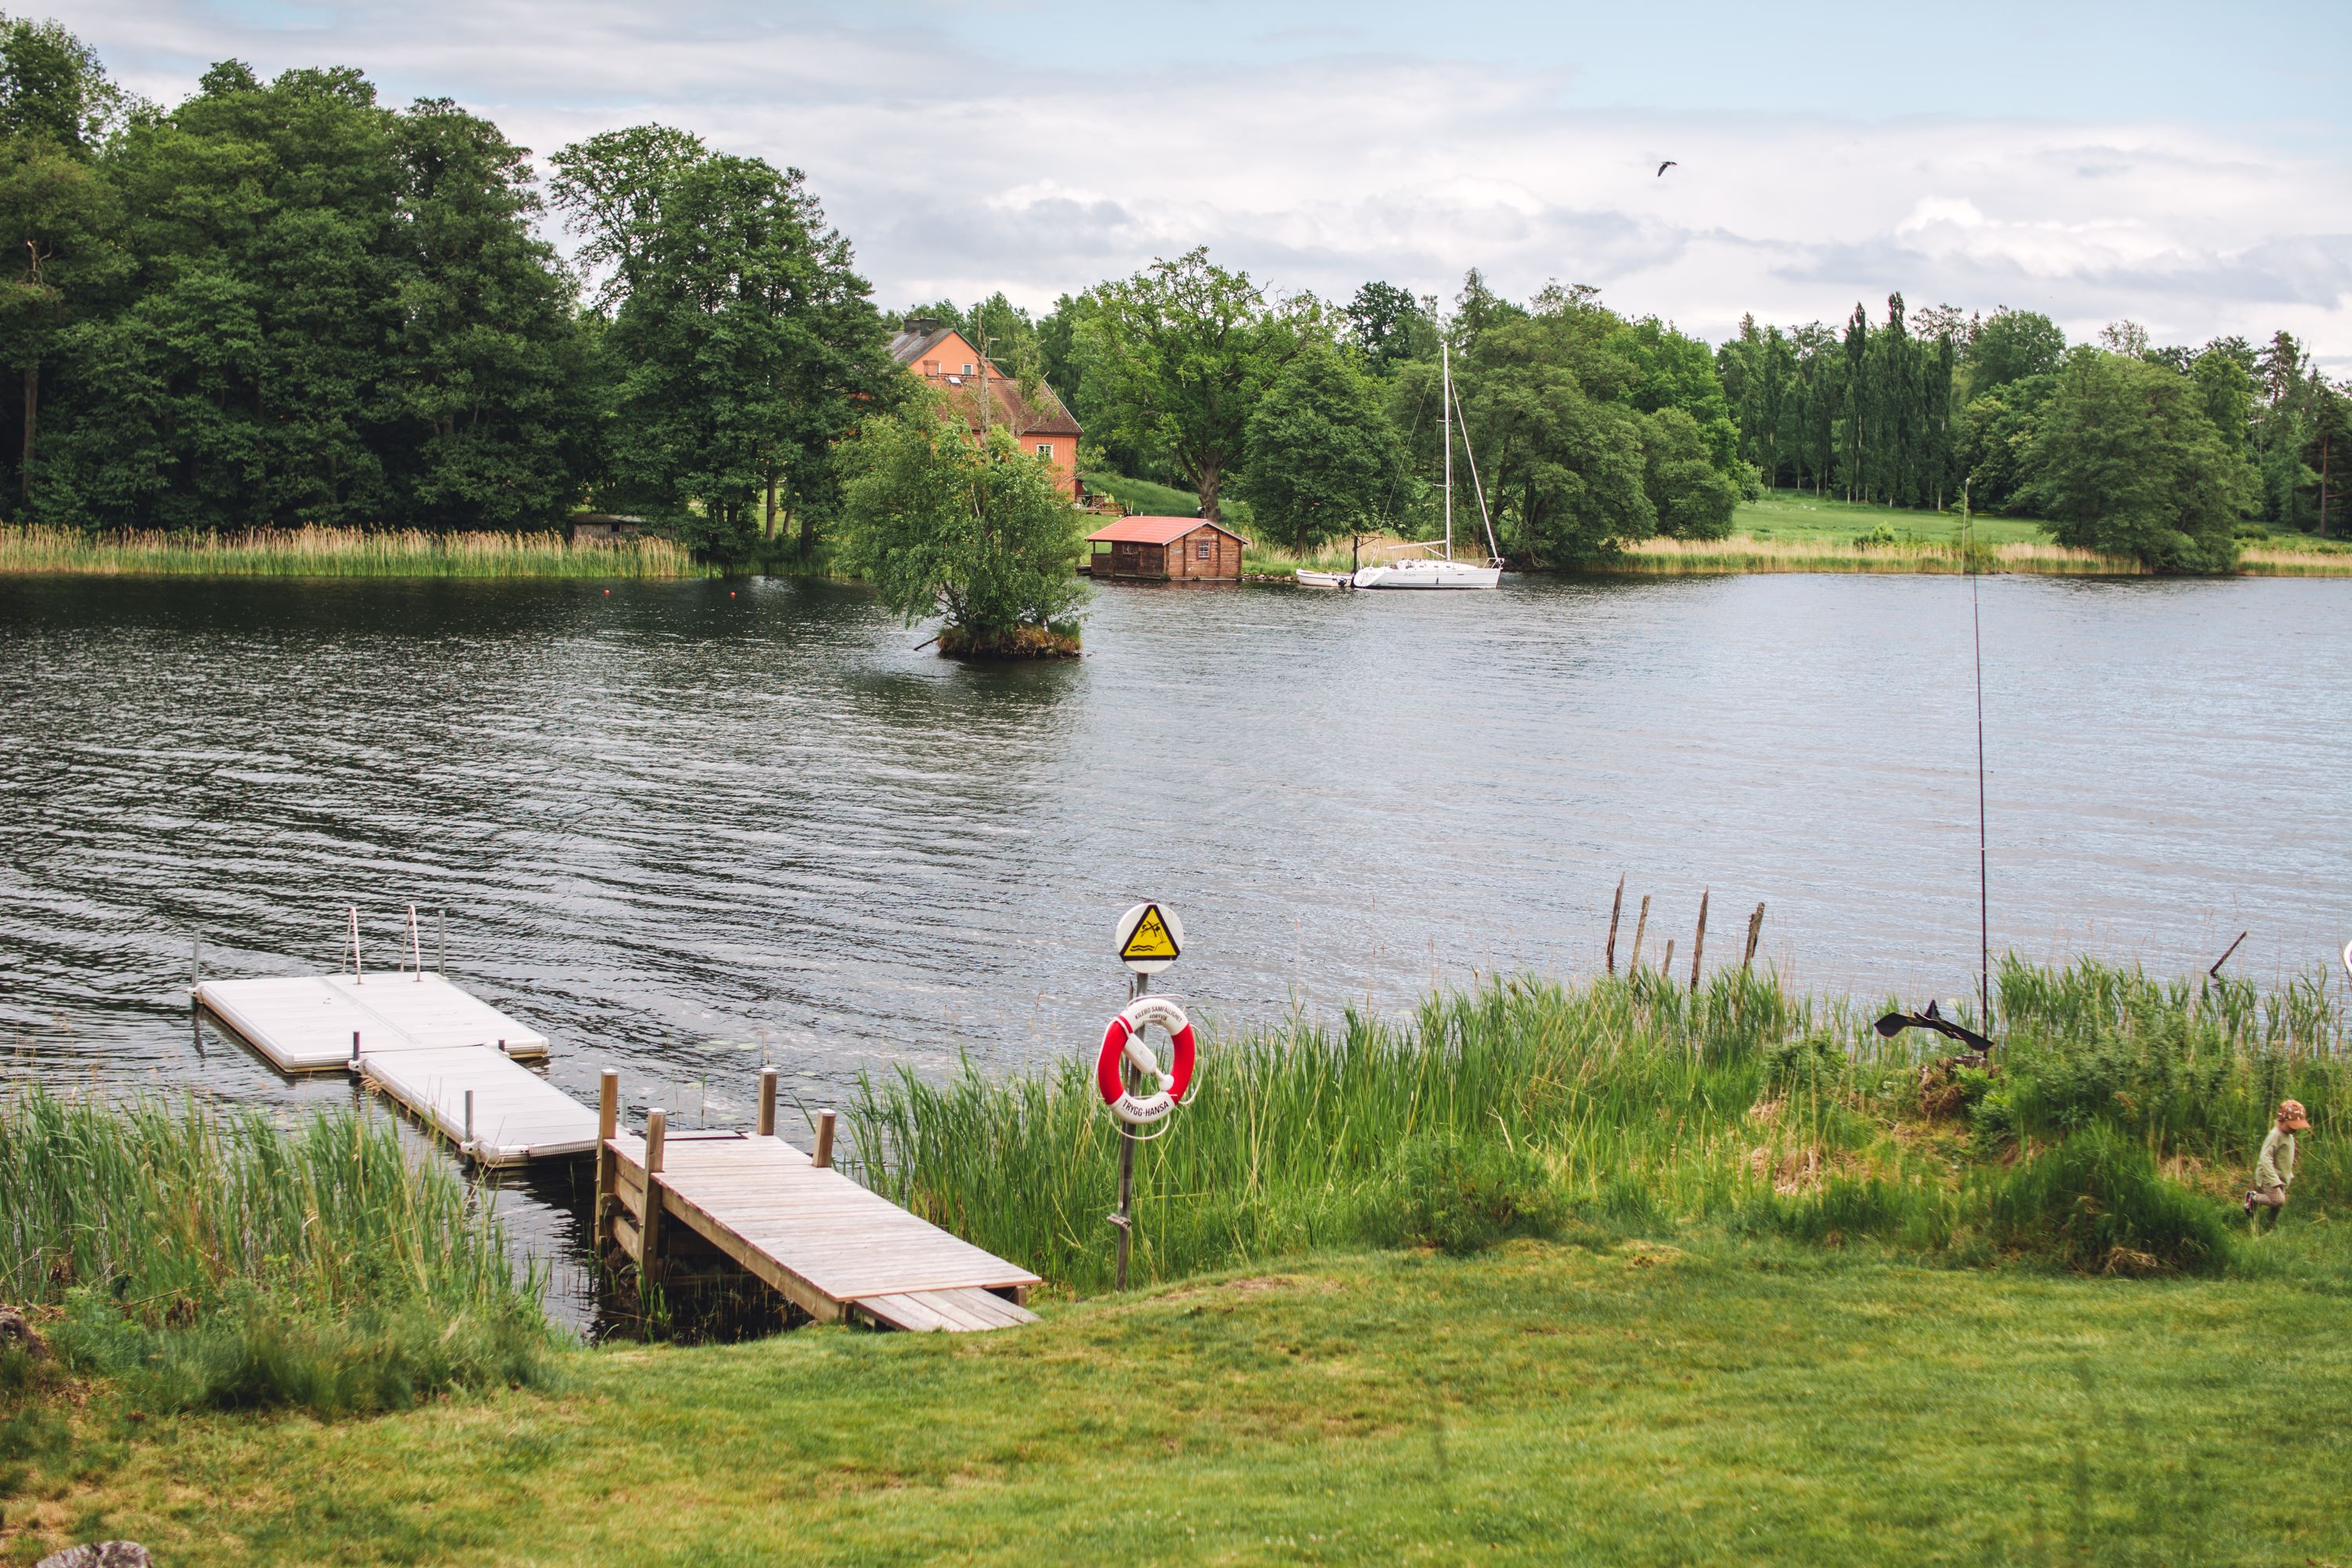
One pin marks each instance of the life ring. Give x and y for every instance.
(1123, 1042)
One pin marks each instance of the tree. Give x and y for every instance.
(1322, 455)
(1694, 498)
(489, 368)
(980, 532)
(745, 343)
(2010, 345)
(59, 222)
(2125, 460)
(53, 88)
(1385, 323)
(1179, 355)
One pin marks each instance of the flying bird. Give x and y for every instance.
(1664, 167)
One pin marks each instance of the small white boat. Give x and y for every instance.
(1326, 579)
(1428, 574)
(1443, 570)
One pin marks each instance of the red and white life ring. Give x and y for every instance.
(1123, 1042)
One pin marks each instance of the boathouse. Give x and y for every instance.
(1167, 549)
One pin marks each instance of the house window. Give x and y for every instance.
(931, 367)
(967, 370)
(1204, 549)
(1045, 448)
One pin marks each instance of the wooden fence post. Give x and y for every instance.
(1641, 924)
(823, 1158)
(1755, 929)
(649, 1223)
(1667, 965)
(1699, 942)
(608, 1123)
(1616, 908)
(767, 1102)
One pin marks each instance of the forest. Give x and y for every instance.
(282, 302)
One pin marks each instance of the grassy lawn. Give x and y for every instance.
(1633, 1403)
(1797, 514)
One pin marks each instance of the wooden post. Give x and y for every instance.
(1616, 908)
(1667, 965)
(608, 1123)
(1755, 929)
(649, 1224)
(767, 1102)
(1699, 942)
(1641, 924)
(823, 1157)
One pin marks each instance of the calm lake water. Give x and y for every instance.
(684, 830)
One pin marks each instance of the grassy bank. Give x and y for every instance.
(1636, 1403)
(1736, 1282)
(336, 553)
(1633, 1107)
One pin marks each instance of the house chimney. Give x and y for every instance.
(919, 325)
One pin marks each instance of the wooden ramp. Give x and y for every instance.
(305, 1022)
(832, 1248)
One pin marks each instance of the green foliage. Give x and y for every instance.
(2012, 345)
(1323, 459)
(1693, 496)
(2124, 459)
(743, 345)
(1387, 326)
(2098, 1203)
(219, 1259)
(1458, 1197)
(942, 524)
(1176, 357)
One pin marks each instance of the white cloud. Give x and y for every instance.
(959, 174)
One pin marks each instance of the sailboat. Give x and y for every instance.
(1443, 570)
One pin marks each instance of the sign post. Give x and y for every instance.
(1147, 939)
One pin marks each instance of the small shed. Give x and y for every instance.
(1167, 549)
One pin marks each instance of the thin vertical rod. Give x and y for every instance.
(1984, 879)
(1445, 432)
(1126, 1166)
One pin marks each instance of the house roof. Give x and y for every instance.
(1156, 530)
(1043, 414)
(909, 346)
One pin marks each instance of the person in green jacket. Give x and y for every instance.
(2274, 1171)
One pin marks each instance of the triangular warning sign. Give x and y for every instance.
(1151, 938)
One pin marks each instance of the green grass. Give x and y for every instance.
(1768, 1303)
(1147, 498)
(1636, 1403)
(1799, 515)
(336, 553)
(1744, 1108)
(202, 1257)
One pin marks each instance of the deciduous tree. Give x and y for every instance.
(1322, 455)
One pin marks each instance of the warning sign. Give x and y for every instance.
(1150, 938)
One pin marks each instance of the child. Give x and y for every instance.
(2274, 1172)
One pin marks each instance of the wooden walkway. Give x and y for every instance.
(833, 1248)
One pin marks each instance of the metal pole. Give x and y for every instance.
(1126, 1220)
(1984, 880)
(440, 942)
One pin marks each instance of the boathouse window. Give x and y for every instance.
(1203, 550)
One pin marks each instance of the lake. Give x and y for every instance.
(685, 828)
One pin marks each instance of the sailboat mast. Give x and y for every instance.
(1445, 429)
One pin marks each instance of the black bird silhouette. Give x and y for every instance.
(1664, 167)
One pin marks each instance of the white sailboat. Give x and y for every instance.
(1443, 570)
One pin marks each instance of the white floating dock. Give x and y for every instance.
(305, 1022)
(517, 1115)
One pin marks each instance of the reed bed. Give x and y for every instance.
(215, 1256)
(315, 552)
(1646, 1108)
(2272, 560)
(1742, 552)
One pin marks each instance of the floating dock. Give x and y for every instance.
(677, 1206)
(307, 1023)
(833, 1248)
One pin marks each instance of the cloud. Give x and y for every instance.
(958, 167)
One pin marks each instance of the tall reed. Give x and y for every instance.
(1744, 1105)
(315, 552)
(242, 1261)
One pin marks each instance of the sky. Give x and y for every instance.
(2189, 167)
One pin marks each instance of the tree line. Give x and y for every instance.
(283, 301)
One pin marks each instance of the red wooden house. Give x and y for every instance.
(1167, 549)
